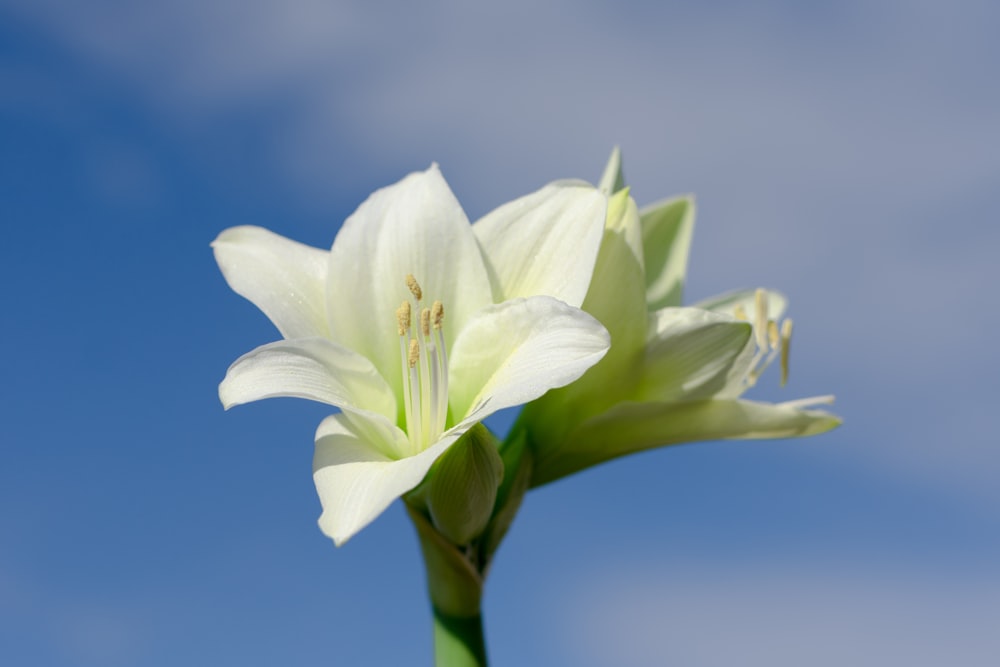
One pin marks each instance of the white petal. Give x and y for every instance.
(514, 352)
(413, 227)
(356, 482)
(729, 302)
(544, 243)
(667, 227)
(634, 427)
(690, 354)
(312, 368)
(284, 278)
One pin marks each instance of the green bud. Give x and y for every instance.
(462, 487)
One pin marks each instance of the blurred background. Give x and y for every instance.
(846, 153)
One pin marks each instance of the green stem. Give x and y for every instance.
(458, 641)
(455, 585)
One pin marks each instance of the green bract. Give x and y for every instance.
(674, 374)
(408, 326)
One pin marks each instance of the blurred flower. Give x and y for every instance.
(673, 374)
(405, 326)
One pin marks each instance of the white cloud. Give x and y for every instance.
(846, 156)
(825, 614)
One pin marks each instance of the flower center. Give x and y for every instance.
(424, 363)
(773, 339)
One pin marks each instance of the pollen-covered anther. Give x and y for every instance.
(403, 318)
(414, 355)
(414, 287)
(425, 321)
(773, 338)
(437, 314)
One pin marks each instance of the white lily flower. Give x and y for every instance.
(674, 374)
(403, 327)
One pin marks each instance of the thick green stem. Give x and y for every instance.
(458, 641)
(456, 589)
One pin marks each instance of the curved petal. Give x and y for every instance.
(356, 481)
(413, 227)
(634, 427)
(746, 300)
(312, 368)
(544, 243)
(667, 228)
(284, 278)
(612, 178)
(690, 354)
(514, 352)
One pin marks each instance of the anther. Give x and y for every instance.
(437, 314)
(772, 334)
(786, 344)
(414, 355)
(425, 321)
(740, 313)
(403, 318)
(414, 287)
(760, 318)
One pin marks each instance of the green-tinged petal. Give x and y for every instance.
(667, 227)
(413, 227)
(284, 278)
(745, 300)
(356, 481)
(634, 427)
(311, 368)
(690, 354)
(544, 243)
(612, 179)
(515, 351)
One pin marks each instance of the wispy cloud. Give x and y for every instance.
(819, 614)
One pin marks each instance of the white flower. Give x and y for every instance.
(402, 325)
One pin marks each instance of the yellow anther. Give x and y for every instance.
(414, 355)
(760, 318)
(772, 334)
(403, 318)
(414, 286)
(740, 313)
(786, 344)
(437, 314)
(425, 321)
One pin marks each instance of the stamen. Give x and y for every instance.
(414, 354)
(786, 344)
(437, 314)
(760, 318)
(414, 287)
(425, 321)
(403, 318)
(772, 334)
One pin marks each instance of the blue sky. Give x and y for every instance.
(845, 153)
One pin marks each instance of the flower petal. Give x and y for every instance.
(544, 243)
(356, 482)
(690, 354)
(413, 227)
(284, 278)
(667, 227)
(746, 300)
(312, 368)
(634, 427)
(515, 351)
(612, 179)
